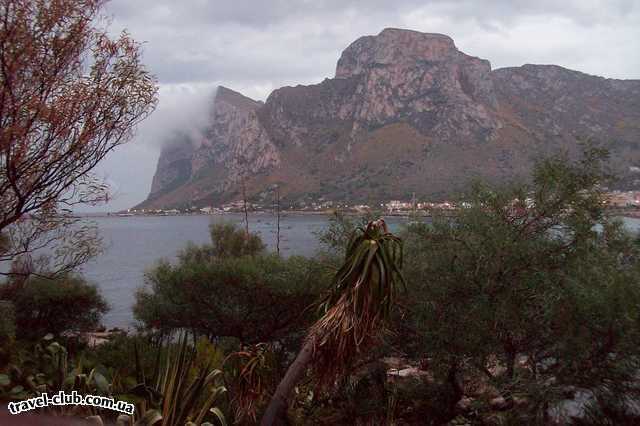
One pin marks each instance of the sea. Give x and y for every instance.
(133, 244)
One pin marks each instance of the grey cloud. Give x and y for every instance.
(269, 13)
(196, 40)
(130, 168)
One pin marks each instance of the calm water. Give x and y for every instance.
(134, 244)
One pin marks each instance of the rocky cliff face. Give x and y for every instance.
(406, 112)
(422, 79)
(216, 159)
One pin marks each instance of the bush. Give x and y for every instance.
(253, 299)
(7, 330)
(229, 241)
(226, 291)
(119, 358)
(54, 305)
(521, 292)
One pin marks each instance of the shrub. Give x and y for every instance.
(230, 241)
(230, 289)
(7, 330)
(45, 305)
(253, 299)
(125, 356)
(181, 391)
(522, 292)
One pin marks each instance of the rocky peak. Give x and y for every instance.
(230, 112)
(421, 78)
(235, 99)
(235, 136)
(393, 46)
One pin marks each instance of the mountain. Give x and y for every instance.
(406, 112)
(194, 166)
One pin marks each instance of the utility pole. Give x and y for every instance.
(277, 207)
(414, 205)
(244, 203)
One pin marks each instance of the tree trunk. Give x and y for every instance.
(457, 392)
(276, 411)
(511, 365)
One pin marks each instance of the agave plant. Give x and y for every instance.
(179, 393)
(354, 313)
(176, 396)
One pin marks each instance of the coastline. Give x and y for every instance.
(628, 213)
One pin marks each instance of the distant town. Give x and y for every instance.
(625, 202)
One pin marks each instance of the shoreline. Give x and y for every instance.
(283, 213)
(631, 214)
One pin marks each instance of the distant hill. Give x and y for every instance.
(406, 112)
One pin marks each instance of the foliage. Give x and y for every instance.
(126, 358)
(182, 392)
(253, 380)
(182, 389)
(354, 313)
(69, 94)
(229, 241)
(130, 357)
(44, 305)
(45, 367)
(253, 298)
(359, 305)
(357, 399)
(520, 290)
(340, 228)
(7, 330)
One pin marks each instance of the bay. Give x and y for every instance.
(134, 244)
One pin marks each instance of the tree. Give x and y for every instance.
(43, 305)
(355, 312)
(69, 95)
(522, 292)
(226, 241)
(227, 289)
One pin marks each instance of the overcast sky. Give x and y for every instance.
(255, 46)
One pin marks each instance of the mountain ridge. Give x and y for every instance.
(406, 112)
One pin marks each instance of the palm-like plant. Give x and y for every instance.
(355, 312)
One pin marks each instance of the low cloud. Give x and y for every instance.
(182, 109)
